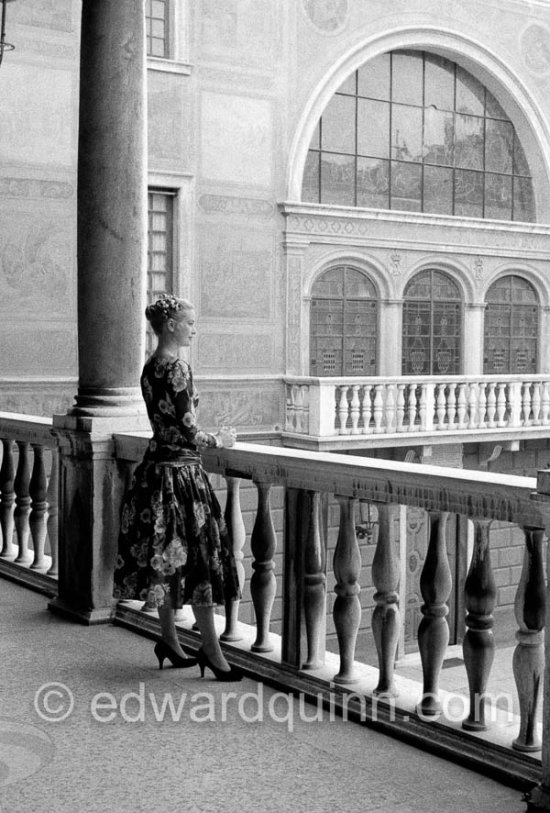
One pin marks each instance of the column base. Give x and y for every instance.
(86, 617)
(103, 424)
(104, 403)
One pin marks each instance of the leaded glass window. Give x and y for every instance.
(157, 28)
(160, 253)
(511, 327)
(416, 132)
(432, 325)
(343, 324)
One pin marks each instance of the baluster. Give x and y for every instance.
(414, 406)
(389, 422)
(315, 589)
(367, 409)
(528, 660)
(451, 406)
(491, 405)
(235, 527)
(461, 406)
(298, 408)
(536, 403)
(289, 413)
(440, 410)
(472, 405)
(22, 502)
(526, 404)
(501, 404)
(433, 632)
(378, 409)
(479, 643)
(386, 619)
(263, 543)
(342, 410)
(545, 403)
(305, 410)
(400, 408)
(422, 407)
(354, 409)
(53, 507)
(481, 405)
(347, 607)
(37, 519)
(7, 499)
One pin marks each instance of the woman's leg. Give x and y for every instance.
(205, 622)
(167, 618)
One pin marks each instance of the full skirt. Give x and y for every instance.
(174, 548)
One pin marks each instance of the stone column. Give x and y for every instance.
(112, 245)
(297, 309)
(112, 207)
(390, 351)
(544, 340)
(474, 314)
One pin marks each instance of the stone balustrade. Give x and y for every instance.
(298, 658)
(351, 408)
(29, 497)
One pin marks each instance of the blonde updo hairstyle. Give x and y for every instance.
(165, 308)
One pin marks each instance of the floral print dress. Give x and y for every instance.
(173, 544)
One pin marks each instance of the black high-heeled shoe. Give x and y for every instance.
(162, 651)
(233, 675)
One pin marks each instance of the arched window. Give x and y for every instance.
(343, 324)
(416, 132)
(511, 327)
(432, 325)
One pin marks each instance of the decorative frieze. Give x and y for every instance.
(168, 136)
(231, 351)
(242, 406)
(236, 274)
(236, 138)
(479, 268)
(53, 14)
(397, 231)
(36, 262)
(329, 17)
(233, 205)
(35, 188)
(240, 30)
(535, 48)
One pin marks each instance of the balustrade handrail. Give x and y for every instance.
(27, 428)
(339, 381)
(475, 494)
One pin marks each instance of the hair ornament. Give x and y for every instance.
(165, 307)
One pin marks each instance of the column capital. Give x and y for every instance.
(295, 244)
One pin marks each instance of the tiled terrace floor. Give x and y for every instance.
(122, 756)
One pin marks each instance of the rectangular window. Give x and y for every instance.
(160, 269)
(157, 28)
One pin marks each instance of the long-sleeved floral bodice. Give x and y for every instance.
(171, 400)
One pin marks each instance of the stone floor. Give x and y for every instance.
(86, 727)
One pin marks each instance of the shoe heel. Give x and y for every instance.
(160, 655)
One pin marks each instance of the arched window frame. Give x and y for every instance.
(374, 300)
(345, 163)
(409, 339)
(511, 336)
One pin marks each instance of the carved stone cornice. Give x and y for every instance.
(416, 231)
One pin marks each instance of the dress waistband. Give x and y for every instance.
(181, 458)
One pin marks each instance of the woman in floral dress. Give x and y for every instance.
(173, 546)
